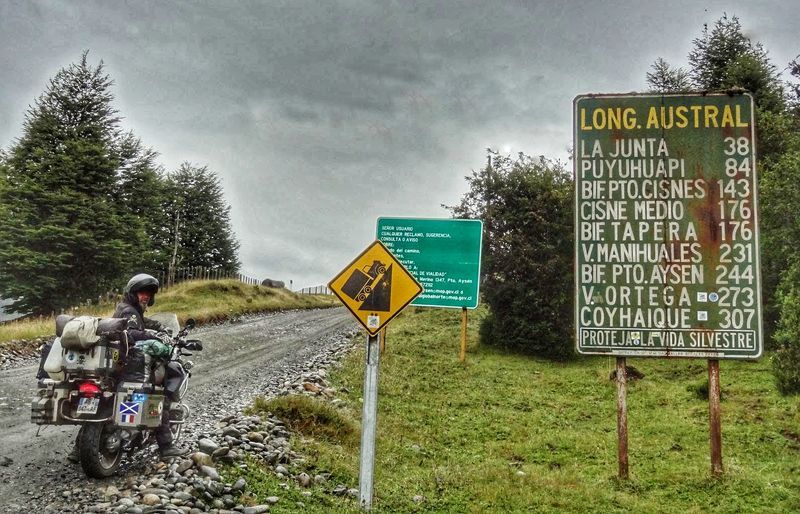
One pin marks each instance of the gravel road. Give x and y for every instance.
(255, 356)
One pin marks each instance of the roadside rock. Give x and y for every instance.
(209, 472)
(151, 499)
(207, 446)
(201, 459)
(257, 509)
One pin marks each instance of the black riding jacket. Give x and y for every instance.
(130, 309)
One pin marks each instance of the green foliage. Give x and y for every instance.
(786, 367)
(64, 237)
(194, 203)
(141, 192)
(780, 224)
(83, 204)
(724, 58)
(794, 87)
(786, 361)
(527, 208)
(665, 79)
(310, 417)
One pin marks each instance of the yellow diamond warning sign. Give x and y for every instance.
(375, 287)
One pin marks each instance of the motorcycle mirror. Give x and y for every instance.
(194, 345)
(190, 323)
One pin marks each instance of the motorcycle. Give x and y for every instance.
(91, 376)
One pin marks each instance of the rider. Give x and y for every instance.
(138, 295)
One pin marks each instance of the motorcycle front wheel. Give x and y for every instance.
(100, 449)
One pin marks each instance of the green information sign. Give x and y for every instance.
(444, 255)
(666, 246)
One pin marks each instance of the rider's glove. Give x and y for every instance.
(164, 337)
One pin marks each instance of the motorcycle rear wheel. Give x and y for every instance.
(100, 449)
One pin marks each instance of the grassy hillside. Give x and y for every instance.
(204, 300)
(509, 433)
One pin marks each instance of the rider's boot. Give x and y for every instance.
(170, 450)
(73, 455)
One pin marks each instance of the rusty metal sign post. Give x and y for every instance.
(667, 242)
(714, 418)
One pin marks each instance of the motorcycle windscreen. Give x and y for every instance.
(169, 320)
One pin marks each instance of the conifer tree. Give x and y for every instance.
(195, 205)
(65, 236)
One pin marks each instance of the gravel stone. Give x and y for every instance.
(201, 459)
(207, 446)
(151, 499)
(256, 509)
(239, 485)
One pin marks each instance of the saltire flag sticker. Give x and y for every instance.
(128, 411)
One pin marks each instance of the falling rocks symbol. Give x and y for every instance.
(379, 299)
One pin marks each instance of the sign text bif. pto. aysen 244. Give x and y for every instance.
(666, 247)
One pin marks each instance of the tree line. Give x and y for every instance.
(84, 204)
(527, 207)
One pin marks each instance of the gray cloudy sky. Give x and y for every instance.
(321, 116)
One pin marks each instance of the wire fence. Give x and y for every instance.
(166, 281)
(315, 290)
(200, 273)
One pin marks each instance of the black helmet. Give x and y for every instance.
(143, 282)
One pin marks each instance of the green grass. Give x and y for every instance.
(203, 300)
(310, 417)
(459, 434)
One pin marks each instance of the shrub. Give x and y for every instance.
(786, 360)
(526, 206)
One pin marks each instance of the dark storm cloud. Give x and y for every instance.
(320, 116)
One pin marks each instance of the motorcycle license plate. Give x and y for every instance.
(88, 405)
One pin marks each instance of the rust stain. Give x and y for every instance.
(707, 215)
